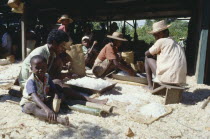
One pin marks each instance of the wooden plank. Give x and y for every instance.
(160, 89)
(172, 86)
(173, 96)
(200, 67)
(205, 103)
(126, 82)
(130, 78)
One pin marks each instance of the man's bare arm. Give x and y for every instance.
(148, 54)
(123, 67)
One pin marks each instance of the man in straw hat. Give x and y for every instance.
(65, 20)
(108, 58)
(170, 66)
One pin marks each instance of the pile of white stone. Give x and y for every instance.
(91, 83)
(153, 110)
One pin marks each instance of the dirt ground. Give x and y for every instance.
(187, 121)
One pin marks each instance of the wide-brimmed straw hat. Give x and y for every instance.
(158, 27)
(65, 16)
(117, 36)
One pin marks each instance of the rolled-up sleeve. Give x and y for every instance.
(111, 53)
(31, 87)
(52, 85)
(156, 48)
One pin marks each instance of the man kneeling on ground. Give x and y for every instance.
(170, 66)
(51, 51)
(108, 59)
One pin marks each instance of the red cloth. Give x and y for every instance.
(62, 27)
(108, 52)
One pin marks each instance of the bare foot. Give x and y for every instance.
(147, 88)
(103, 101)
(64, 121)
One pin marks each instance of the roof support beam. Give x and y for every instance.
(200, 67)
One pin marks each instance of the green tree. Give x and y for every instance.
(96, 25)
(178, 29)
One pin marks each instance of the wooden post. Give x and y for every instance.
(135, 33)
(110, 23)
(200, 67)
(201, 56)
(23, 30)
(124, 29)
(23, 41)
(107, 25)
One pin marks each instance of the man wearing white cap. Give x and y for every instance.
(89, 52)
(170, 66)
(85, 44)
(108, 58)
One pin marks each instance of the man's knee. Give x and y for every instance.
(59, 85)
(29, 108)
(58, 82)
(146, 60)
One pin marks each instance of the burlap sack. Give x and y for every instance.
(128, 57)
(19, 9)
(13, 3)
(78, 60)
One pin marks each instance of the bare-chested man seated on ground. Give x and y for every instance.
(56, 44)
(170, 66)
(108, 59)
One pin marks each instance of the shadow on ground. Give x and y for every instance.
(85, 130)
(114, 91)
(191, 98)
(7, 97)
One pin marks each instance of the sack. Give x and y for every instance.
(19, 9)
(13, 3)
(128, 57)
(77, 60)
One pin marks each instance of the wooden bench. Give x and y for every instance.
(172, 93)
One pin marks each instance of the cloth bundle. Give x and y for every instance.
(78, 59)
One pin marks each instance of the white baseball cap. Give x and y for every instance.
(85, 37)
